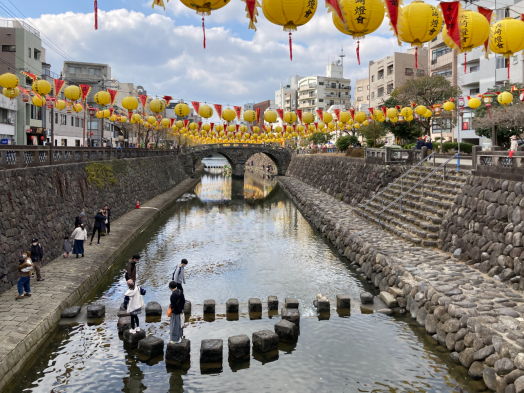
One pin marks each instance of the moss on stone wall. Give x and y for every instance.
(100, 174)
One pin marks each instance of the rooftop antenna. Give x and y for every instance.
(342, 55)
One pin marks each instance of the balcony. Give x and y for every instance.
(305, 105)
(309, 87)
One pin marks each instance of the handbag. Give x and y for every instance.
(169, 312)
(511, 152)
(142, 291)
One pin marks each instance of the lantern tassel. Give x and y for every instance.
(358, 52)
(416, 57)
(290, 48)
(204, 30)
(96, 15)
(465, 62)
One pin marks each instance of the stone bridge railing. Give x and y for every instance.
(498, 163)
(214, 146)
(12, 157)
(387, 155)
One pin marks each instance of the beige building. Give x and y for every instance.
(392, 71)
(361, 100)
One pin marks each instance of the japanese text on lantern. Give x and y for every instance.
(464, 31)
(434, 22)
(360, 10)
(311, 4)
(497, 36)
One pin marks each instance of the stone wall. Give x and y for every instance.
(260, 159)
(351, 179)
(43, 202)
(485, 227)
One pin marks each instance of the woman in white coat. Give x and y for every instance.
(135, 304)
(80, 236)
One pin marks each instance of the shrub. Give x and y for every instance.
(379, 145)
(355, 152)
(346, 141)
(453, 146)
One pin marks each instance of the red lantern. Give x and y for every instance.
(32, 137)
(41, 138)
(25, 98)
(92, 112)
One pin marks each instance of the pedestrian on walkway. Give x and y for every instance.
(429, 145)
(67, 246)
(107, 213)
(135, 305)
(37, 256)
(24, 270)
(131, 268)
(513, 146)
(420, 143)
(80, 236)
(177, 301)
(80, 219)
(178, 274)
(97, 227)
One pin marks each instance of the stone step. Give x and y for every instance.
(437, 176)
(427, 194)
(426, 199)
(451, 185)
(420, 208)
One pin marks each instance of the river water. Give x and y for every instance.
(243, 239)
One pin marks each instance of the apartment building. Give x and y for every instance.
(8, 109)
(361, 100)
(280, 94)
(392, 71)
(263, 106)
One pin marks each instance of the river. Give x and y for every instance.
(243, 239)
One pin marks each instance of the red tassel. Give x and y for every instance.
(416, 57)
(358, 52)
(290, 48)
(96, 15)
(465, 62)
(204, 30)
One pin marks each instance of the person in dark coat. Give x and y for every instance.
(79, 220)
(37, 256)
(177, 301)
(97, 227)
(131, 268)
(107, 213)
(420, 143)
(429, 145)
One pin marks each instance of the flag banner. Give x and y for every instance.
(238, 110)
(196, 106)
(489, 15)
(218, 108)
(299, 114)
(450, 11)
(58, 85)
(167, 99)
(85, 89)
(281, 114)
(392, 9)
(113, 94)
(143, 100)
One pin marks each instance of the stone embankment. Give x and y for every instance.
(348, 179)
(476, 317)
(485, 228)
(260, 159)
(43, 202)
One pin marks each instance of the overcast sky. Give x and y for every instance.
(162, 50)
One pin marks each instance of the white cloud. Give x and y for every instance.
(163, 51)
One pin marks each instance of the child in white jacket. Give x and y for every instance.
(135, 304)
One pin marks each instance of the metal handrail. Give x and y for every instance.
(395, 182)
(414, 186)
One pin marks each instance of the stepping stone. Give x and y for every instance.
(272, 303)
(209, 306)
(286, 331)
(177, 354)
(187, 307)
(151, 346)
(386, 311)
(133, 339)
(211, 351)
(323, 305)
(291, 303)
(265, 341)
(123, 324)
(291, 315)
(232, 305)
(96, 310)
(71, 312)
(153, 309)
(239, 347)
(344, 301)
(254, 305)
(120, 314)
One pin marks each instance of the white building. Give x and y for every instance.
(8, 109)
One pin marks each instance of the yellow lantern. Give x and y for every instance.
(507, 37)
(278, 129)
(106, 113)
(9, 81)
(41, 87)
(206, 127)
(151, 119)
(136, 118)
(327, 117)
(38, 101)
(112, 117)
(179, 124)
(250, 116)
(448, 106)
(356, 125)
(505, 98)
(204, 7)
(165, 122)
(157, 105)
(321, 126)
(130, 103)
(473, 28)
(344, 117)
(205, 111)
(474, 102)
(406, 111)
(311, 128)
(360, 117)
(409, 118)
(308, 117)
(123, 119)
(418, 22)
(102, 98)
(228, 115)
(60, 104)
(420, 110)
(365, 123)
(270, 116)
(290, 15)
(340, 125)
(290, 117)
(394, 119)
(182, 110)
(256, 129)
(243, 128)
(428, 114)
(392, 113)
(72, 93)
(11, 92)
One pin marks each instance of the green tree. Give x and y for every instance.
(406, 132)
(427, 91)
(376, 130)
(509, 121)
(319, 138)
(345, 141)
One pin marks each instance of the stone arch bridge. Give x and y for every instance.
(239, 155)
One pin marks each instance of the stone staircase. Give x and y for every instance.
(421, 216)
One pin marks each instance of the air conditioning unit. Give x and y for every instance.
(11, 120)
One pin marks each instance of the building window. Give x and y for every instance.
(94, 71)
(3, 115)
(37, 54)
(8, 48)
(367, 98)
(72, 121)
(380, 92)
(444, 73)
(56, 118)
(63, 142)
(381, 74)
(372, 94)
(502, 62)
(63, 120)
(409, 71)
(360, 98)
(320, 100)
(36, 113)
(368, 87)
(474, 68)
(439, 52)
(78, 122)
(390, 88)
(359, 88)
(390, 69)
(372, 78)
(29, 52)
(74, 70)
(77, 142)
(420, 72)
(516, 59)
(474, 91)
(314, 84)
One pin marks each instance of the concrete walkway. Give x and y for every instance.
(25, 324)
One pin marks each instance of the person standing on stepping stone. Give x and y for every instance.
(135, 305)
(178, 274)
(177, 302)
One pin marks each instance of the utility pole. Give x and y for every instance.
(53, 125)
